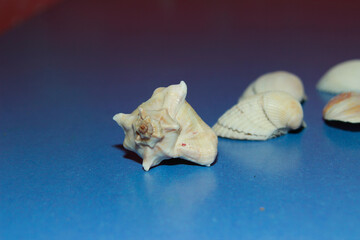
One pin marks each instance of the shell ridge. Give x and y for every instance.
(265, 113)
(240, 131)
(251, 120)
(240, 117)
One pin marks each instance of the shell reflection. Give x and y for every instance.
(280, 157)
(180, 199)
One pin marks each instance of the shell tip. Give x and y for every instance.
(117, 117)
(146, 167)
(183, 85)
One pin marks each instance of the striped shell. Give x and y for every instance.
(344, 77)
(261, 117)
(344, 107)
(277, 81)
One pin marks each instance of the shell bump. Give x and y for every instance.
(277, 81)
(343, 77)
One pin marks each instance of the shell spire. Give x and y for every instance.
(166, 127)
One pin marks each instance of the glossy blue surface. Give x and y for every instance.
(65, 175)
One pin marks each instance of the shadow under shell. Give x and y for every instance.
(353, 127)
(171, 161)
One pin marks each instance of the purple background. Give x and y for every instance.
(65, 73)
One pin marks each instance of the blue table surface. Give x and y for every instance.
(65, 175)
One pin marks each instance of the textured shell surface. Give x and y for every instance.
(166, 126)
(277, 81)
(344, 77)
(344, 107)
(261, 117)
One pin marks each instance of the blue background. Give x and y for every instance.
(65, 175)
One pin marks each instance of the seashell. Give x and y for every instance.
(166, 126)
(344, 77)
(344, 107)
(277, 81)
(261, 117)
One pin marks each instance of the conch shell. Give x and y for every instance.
(261, 117)
(344, 77)
(166, 126)
(344, 107)
(277, 81)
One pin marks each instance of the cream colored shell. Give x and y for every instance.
(277, 81)
(344, 77)
(166, 126)
(260, 117)
(344, 107)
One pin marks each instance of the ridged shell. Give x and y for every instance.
(344, 77)
(344, 107)
(166, 126)
(260, 117)
(277, 81)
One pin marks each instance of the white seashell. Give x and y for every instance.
(260, 117)
(166, 126)
(277, 81)
(344, 107)
(344, 77)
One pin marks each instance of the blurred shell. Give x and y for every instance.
(166, 126)
(260, 117)
(344, 107)
(344, 77)
(277, 81)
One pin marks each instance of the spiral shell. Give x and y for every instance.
(344, 77)
(277, 81)
(344, 107)
(166, 126)
(261, 117)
